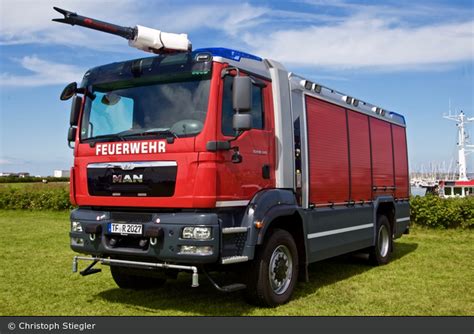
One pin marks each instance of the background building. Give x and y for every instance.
(61, 173)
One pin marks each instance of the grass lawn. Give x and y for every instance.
(35, 185)
(432, 273)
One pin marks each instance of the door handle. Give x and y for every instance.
(266, 171)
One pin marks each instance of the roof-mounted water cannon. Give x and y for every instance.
(143, 38)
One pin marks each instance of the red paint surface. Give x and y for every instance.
(195, 180)
(359, 142)
(382, 156)
(464, 183)
(257, 146)
(328, 152)
(401, 162)
(202, 177)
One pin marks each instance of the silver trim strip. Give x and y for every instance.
(284, 137)
(133, 164)
(225, 204)
(234, 259)
(253, 66)
(340, 230)
(230, 230)
(404, 219)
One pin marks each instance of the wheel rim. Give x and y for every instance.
(384, 241)
(280, 269)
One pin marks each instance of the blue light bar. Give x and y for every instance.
(229, 53)
(397, 117)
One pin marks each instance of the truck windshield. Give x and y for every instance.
(159, 101)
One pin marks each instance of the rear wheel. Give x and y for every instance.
(381, 252)
(128, 280)
(274, 271)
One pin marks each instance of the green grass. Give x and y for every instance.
(35, 186)
(432, 273)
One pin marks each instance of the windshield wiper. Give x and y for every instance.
(170, 135)
(96, 139)
(122, 136)
(164, 131)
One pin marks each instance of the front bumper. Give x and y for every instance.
(160, 241)
(133, 264)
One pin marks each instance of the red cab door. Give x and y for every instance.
(241, 181)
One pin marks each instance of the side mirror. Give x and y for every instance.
(71, 134)
(242, 94)
(75, 110)
(242, 122)
(68, 91)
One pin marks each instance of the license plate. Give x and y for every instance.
(125, 229)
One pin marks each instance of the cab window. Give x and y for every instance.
(257, 111)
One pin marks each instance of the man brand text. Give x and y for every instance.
(144, 147)
(127, 178)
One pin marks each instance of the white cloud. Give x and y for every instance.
(43, 73)
(394, 8)
(29, 21)
(229, 18)
(388, 37)
(367, 42)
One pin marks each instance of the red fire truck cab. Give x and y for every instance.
(218, 160)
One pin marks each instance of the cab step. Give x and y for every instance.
(226, 288)
(233, 287)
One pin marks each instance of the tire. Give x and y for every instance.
(273, 273)
(381, 252)
(126, 280)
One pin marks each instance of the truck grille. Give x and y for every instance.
(133, 179)
(233, 244)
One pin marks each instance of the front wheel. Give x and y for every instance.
(274, 271)
(381, 252)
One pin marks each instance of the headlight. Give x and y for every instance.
(195, 250)
(76, 227)
(196, 233)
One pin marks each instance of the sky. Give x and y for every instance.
(412, 57)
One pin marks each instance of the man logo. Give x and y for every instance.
(128, 166)
(127, 178)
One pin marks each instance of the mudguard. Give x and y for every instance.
(264, 207)
(379, 200)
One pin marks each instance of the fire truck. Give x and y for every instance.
(215, 160)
